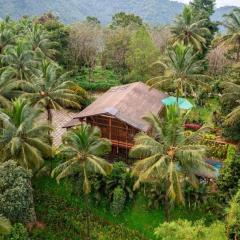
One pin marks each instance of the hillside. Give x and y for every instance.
(152, 11)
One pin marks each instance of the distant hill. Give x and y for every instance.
(152, 11)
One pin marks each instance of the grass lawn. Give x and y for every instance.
(137, 221)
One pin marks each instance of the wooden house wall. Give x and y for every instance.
(120, 133)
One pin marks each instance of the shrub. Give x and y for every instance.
(214, 148)
(16, 199)
(186, 230)
(18, 232)
(121, 177)
(231, 131)
(233, 217)
(118, 202)
(228, 180)
(103, 79)
(103, 186)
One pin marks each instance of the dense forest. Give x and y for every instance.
(181, 178)
(152, 11)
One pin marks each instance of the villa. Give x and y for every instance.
(119, 113)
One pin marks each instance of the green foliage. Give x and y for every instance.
(116, 50)
(231, 131)
(185, 230)
(183, 71)
(214, 149)
(104, 186)
(167, 156)
(137, 217)
(233, 217)
(232, 38)
(16, 200)
(18, 232)
(228, 181)
(92, 20)
(142, 53)
(64, 216)
(154, 12)
(118, 202)
(189, 30)
(102, 79)
(5, 226)
(23, 138)
(203, 11)
(123, 19)
(51, 89)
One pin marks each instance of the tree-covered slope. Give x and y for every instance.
(152, 11)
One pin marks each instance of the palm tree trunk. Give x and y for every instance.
(87, 217)
(238, 52)
(49, 118)
(178, 92)
(49, 115)
(166, 208)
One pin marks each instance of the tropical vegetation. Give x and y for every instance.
(179, 180)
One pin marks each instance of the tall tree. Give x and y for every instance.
(189, 30)
(168, 157)
(232, 93)
(92, 20)
(18, 60)
(232, 38)
(183, 70)
(41, 42)
(123, 19)
(51, 89)
(141, 54)
(7, 36)
(204, 9)
(85, 43)
(117, 43)
(7, 90)
(83, 149)
(22, 137)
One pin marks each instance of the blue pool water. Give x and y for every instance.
(217, 165)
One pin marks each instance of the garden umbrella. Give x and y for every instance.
(182, 102)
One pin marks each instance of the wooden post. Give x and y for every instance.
(127, 143)
(110, 128)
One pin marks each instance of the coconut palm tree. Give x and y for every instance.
(18, 61)
(7, 34)
(190, 31)
(169, 158)
(22, 137)
(183, 70)
(7, 91)
(51, 89)
(6, 38)
(83, 149)
(40, 41)
(5, 226)
(232, 38)
(232, 93)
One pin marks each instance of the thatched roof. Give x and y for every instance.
(129, 103)
(60, 118)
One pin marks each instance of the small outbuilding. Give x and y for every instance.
(119, 113)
